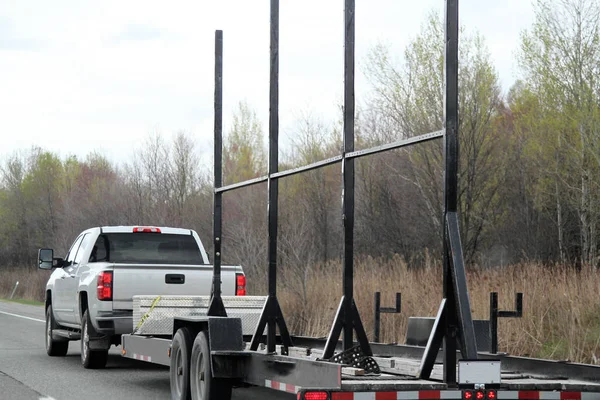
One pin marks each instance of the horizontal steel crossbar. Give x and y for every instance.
(238, 185)
(315, 165)
(334, 160)
(396, 145)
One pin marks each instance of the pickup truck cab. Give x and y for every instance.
(89, 296)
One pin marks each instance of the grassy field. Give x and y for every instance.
(561, 318)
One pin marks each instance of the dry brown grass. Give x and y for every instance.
(561, 306)
(31, 282)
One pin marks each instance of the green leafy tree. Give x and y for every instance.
(412, 94)
(244, 155)
(560, 60)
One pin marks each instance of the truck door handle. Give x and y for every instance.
(175, 278)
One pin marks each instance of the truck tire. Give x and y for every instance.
(202, 383)
(181, 349)
(54, 348)
(90, 359)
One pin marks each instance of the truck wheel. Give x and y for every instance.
(203, 385)
(54, 348)
(181, 349)
(91, 359)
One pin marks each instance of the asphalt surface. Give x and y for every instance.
(27, 373)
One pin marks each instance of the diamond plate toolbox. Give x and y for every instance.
(158, 319)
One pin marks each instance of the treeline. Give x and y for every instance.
(529, 165)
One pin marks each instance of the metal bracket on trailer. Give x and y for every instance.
(357, 359)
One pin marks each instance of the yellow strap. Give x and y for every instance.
(143, 319)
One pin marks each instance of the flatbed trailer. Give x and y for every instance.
(209, 354)
(302, 372)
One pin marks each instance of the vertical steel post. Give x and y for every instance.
(216, 307)
(272, 316)
(450, 181)
(377, 317)
(348, 171)
(347, 318)
(273, 168)
(494, 322)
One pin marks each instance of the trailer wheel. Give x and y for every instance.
(203, 385)
(91, 359)
(54, 348)
(181, 349)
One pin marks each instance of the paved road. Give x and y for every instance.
(27, 373)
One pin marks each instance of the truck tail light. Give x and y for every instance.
(105, 286)
(240, 285)
(146, 229)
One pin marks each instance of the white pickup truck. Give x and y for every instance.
(89, 296)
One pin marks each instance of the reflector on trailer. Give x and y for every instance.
(316, 396)
(146, 229)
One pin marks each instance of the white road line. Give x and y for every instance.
(22, 316)
(47, 398)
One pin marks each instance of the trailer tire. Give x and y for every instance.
(90, 359)
(202, 383)
(181, 349)
(54, 348)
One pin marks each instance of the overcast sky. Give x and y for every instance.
(77, 76)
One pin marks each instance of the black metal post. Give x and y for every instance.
(494, 322)
(456, 320)
(451, 185)
(347, 319)
(397, 309)
(273, 167)
(377, 317)
(216, 307)
(495, 314)
(272, 315)
(348, 169)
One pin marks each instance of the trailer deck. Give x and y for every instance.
(400, 373)
(301, 369)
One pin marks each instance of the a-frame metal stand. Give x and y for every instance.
(347, 318)
(454, 320)
(272, 316)
(216, 307)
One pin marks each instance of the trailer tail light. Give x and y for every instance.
(146, 229)
(316, 396)
(105, 286)
(479, 395)
(240, 285)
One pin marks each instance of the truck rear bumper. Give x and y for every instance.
(115, 322)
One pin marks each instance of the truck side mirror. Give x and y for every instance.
(45, 258)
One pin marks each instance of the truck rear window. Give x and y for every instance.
(146, 248)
